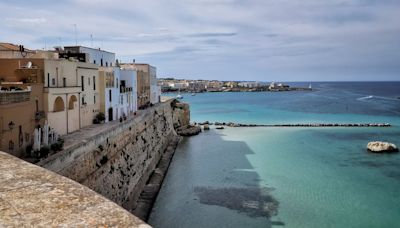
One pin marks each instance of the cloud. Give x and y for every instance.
(38, 20)
(262, 39)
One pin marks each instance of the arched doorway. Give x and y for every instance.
(58, 105)
(71, 103)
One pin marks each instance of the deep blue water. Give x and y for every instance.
(289, 177)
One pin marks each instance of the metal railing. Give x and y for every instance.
(11, 97)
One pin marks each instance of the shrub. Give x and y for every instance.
(44, 151)
(100, 117)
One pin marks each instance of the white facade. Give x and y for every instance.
(110, 94)
(96, 56)
(128, 91)
(154, 95)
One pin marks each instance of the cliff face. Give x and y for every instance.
(118, 162)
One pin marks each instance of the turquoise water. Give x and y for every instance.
(316, 177)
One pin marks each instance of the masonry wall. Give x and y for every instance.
(118, 162)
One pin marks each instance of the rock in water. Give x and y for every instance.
(206, 127)
(382, 147)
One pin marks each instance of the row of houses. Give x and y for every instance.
(53, 93)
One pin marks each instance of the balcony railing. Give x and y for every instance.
(11, 97)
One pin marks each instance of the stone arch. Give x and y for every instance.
(72, 101)
(58, 105)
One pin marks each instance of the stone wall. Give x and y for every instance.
(118, 162)
(31, 196)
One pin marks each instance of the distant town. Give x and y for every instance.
(199, 86)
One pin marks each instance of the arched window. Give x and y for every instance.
(71, 103)
(58, 105)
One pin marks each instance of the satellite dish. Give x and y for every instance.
(29, 65)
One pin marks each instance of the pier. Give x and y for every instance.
(230, 124)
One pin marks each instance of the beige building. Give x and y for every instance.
(71, 94)
(21, 103)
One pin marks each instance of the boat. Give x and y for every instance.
(193, 94)
(179, 96)
(310, 86)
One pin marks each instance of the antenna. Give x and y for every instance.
(91, 40)
(76, 39)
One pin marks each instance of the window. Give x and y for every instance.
(83, 101)
(106, 64)
(53, 81)
(94, 99)
(101, 62)
(82, 82)
(88, 81)
(109, 95)
(48, 79)
(94, 61)
(64, 82)
(94, 83)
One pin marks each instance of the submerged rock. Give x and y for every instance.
(382, 147)
(219, 128)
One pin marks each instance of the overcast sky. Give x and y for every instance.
(265, 40)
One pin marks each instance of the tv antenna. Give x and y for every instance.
(76, 38)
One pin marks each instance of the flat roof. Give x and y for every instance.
(97, 49)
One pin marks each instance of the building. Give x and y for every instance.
(128, 91)
(21, 104)
(71, 94)
(109, 78)
(147, 90)
(96, 56)
(12, 51)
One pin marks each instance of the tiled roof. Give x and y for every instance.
(11, 47)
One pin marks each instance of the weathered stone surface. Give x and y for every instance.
(188, 130)
(31, 196)
(382, 147)
(118, 161)
(181, 113)
(206, 127)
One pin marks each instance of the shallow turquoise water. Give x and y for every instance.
(321, 177)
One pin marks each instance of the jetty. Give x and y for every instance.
(230, 124)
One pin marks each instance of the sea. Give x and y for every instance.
(287, 177)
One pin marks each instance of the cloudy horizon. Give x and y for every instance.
(263, 40)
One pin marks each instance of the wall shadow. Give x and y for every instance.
(209, 170)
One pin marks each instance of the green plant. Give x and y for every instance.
(44, 151)
(100, 117)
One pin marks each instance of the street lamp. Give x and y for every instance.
(11, 125)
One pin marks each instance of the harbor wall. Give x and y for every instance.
(118, 162)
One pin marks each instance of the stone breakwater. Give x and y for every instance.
(230, 124)
(118, 161)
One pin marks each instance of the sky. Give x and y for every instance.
(262, 40)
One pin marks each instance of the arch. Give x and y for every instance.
(58, 105)
(72, 101)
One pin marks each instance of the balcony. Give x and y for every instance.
(11, 97)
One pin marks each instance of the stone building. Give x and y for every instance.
(21, 103)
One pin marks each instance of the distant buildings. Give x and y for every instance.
(44, 94)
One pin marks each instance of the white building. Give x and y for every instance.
(128, 91)
(109, 92)
(154, 93)
(100, 57)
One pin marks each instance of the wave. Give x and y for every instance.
(377, 97)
